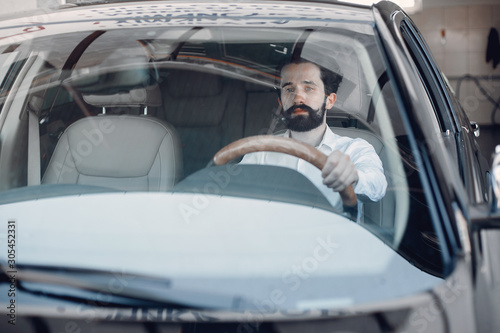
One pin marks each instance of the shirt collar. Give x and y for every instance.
(327, 142)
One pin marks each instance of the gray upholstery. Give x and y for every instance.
(139, 100)
(207, 110)
(381, 212)
(144, 96)
(123, 152)
(373, 139)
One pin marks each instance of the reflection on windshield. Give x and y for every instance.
(122, 126)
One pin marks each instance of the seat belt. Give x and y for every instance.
(34, 165)
(274, 121)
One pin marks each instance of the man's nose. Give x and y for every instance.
(298, 98)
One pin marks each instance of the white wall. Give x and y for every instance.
(446, 3)
(9, 7)
(13, 6)
(462, 51)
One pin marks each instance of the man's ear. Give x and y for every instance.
(330, 100)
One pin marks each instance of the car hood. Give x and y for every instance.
(226, 245)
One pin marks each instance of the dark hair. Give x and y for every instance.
(331, 79)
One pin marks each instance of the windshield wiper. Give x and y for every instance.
(118, 289)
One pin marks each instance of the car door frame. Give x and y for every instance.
(476, 222)
(450, 196)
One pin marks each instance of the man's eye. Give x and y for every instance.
(289, 90)
(309, 89)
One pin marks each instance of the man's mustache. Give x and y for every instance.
(302, 107)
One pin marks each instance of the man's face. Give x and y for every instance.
(303, 97)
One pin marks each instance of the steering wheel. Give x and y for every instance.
(280, 145)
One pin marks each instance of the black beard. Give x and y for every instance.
(302, 123)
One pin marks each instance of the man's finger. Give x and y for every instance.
(345, 179)
(339, 172)
(331, 163)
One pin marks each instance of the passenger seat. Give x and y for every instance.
(126, 152)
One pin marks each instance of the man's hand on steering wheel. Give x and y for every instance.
(339, 172)
(339, 164)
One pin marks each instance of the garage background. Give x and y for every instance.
(463, 36)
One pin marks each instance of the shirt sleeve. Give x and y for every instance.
(372, 181)
(253, 158)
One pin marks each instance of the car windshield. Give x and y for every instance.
(109, 124)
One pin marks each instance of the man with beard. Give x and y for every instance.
(307, 92)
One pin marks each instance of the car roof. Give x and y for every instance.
(187, 13)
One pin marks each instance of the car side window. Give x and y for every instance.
(444, 108)
(429, 75)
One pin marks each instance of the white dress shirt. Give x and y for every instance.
(371, 183)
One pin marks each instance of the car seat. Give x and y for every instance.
(126, 152)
